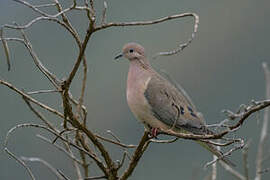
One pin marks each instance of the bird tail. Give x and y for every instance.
(215, 151)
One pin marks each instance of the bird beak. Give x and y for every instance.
(118, 56)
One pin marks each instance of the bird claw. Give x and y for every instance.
(154, 132)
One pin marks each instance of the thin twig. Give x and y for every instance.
(80, 139)
(93, 156)
(31, 99)
(113, 135)
(143, 23)
(214, 168)
(79, 106)
(34, 8)
(95, 177)
(229, 152)
(44, 5)
(235, 173)
(62, 174)
(123, 159)
(214, 165)
(42, 91)
(230, 169)
(115, 142)
(264, 130)
(245, 160)
(19, 161)
(59, 148)
(39, 115)
(164, 141)
(223, 144)
(6, 49)
(103, 19)
(75, 164)
(50, 76)
(45, 163)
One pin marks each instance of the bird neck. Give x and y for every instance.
(141, 63)
(139, 71)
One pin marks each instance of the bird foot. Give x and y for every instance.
(154, 132)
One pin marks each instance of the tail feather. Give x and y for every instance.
(216, 152)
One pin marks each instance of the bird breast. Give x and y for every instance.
(137, 81)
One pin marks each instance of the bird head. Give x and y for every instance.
(132, 51)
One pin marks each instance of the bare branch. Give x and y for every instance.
(115, 142)
(95, 177)
(93, 156)
(34, 8)
(235, 173)
(63, 175)
(136, 156)
(103, 19)
(79, 106)
(75, 68)
(42, 91)
(245, 160)
(59, 148)
(31, 99)
(223, 144)
(214, 168)
(264, 125)
(6, 49)
(143, 23)
(164, 141)
(75, 164)
(13, 39)
(79, 138)
(229, 168)
(45, 163)
(39, 115)
(257, 106)
(237, 147)
(19, 161)
(123, 160)
(113, 135)
(51, 77)
(44, 5)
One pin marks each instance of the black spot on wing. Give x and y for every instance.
(191, 112)
(182, 111)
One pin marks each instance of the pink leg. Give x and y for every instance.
(154, 132)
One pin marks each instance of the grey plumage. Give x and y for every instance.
(166, 102)
(172, 107)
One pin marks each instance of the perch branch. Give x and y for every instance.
(255, 107)
(136, 156)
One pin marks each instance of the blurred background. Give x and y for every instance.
(221, 69)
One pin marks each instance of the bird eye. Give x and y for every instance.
(131, 50)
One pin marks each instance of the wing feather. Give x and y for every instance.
(172, 107)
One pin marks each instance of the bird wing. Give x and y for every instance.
(172, 106)
(175, 109)
(178, 87)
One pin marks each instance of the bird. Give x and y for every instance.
(158, 103)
